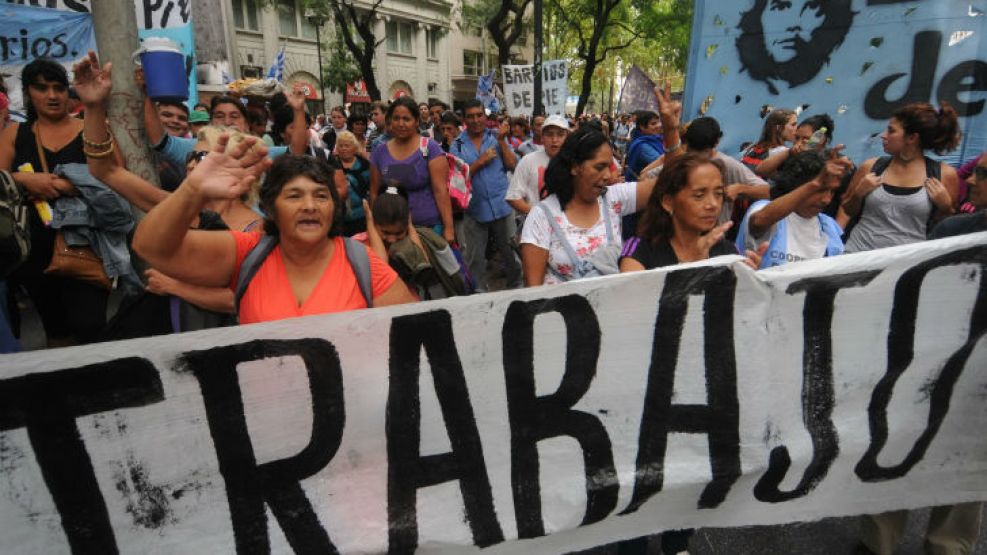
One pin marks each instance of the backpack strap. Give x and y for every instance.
(880, 165)
(577, 267)
(933, 168)
(359, 260)
(423, 147)
(250, 265)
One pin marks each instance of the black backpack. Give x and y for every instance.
(15, 239)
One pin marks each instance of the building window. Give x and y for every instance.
(288, 18)
(472, 62)
(245, 15)
(432, 43)
(308, 30)
(399, 35)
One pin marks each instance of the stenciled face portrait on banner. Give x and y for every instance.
(811, 30)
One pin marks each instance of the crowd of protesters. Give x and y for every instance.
(265, 212)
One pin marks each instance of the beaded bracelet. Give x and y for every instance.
(104, 153)
(92, 144)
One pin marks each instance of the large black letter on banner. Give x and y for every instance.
(535, 418)
(720, 419)
(901, 345)
(408, 471)
(48, 405)
(248, 484)
(817, 387)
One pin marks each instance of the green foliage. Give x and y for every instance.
(653, 34)
(338, 65)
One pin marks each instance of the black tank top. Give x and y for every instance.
(26, 151)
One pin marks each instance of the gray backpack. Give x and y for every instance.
(356, 253)
(15, 238)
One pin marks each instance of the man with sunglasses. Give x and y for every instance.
(961, 224)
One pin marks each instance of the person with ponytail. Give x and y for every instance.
(895, 199)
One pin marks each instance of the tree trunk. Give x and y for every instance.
(116, 38)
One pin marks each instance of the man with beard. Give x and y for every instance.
(791, 41)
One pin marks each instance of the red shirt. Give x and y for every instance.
(269, 295)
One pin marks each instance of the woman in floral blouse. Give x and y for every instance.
(575, 232)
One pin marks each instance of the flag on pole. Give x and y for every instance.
(638, 93)
(485, 92)
(276, 71)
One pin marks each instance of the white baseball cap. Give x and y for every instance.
(556, 121)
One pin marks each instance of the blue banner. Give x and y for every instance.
(857, 60)
(28, 32)
(171, 19)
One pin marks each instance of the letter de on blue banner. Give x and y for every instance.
(857, 60)
(27, 33)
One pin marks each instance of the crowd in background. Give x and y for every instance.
(262, 211)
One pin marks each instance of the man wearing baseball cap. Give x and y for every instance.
(529, 175)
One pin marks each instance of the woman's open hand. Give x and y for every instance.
(228, 175)
(93, 82)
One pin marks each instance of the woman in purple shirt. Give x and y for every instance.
(416, 164)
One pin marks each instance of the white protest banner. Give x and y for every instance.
(519, 88)
(534, 421)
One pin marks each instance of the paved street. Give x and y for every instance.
(830, 536)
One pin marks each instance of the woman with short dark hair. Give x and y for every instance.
(71, 310)
(307, 271)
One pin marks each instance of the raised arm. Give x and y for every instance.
(93, 83)
(779, 208)
(298, 142)
(152, 123)
(205, 258)
(670, 112)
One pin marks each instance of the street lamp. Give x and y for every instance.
(318, 20)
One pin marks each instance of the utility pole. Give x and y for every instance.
(318, 20)
(116, 37)
(539, 105)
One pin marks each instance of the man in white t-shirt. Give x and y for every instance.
(792, 224)
(529, 175)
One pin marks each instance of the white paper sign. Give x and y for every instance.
(162, 14)
(536, 421)
(519, 88)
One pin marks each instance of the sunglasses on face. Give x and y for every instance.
(195, 156)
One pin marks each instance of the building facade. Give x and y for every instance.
(423, 49)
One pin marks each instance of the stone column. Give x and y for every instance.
(383, 80)
(421, 62)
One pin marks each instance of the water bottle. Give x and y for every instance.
(817, 138)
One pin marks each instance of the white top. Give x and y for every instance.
(529, 178)
(621, 199)
(806, 238)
